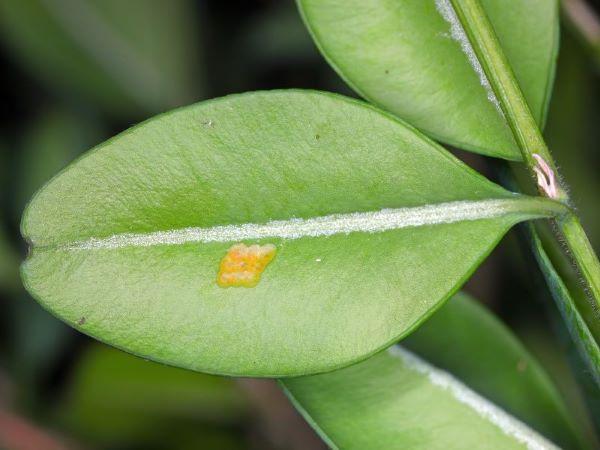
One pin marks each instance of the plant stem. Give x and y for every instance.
(528, 136)
(585, 343)
(500, 75)
(583, 337)
(582, 252)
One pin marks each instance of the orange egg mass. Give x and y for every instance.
(242, 265)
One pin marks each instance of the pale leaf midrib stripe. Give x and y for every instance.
(458, 33)
(329, 225)
(489, 411)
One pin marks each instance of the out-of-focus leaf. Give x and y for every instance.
(584, 21)
(583, 339)
(48, 144)
(368, 243)
(552, 353)
(573, 133)
(399, 400)
(9, 263)
(115, 396)
(568, 293)
(126, 56)
(413, 59)
(495, 364)
(55, 139)
(274, 50)
(279, 34)
(36, 340)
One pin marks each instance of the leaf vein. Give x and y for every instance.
(296, 228)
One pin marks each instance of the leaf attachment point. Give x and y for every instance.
(546, 179)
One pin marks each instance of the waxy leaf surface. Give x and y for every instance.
(465, 339)
(373, 226)
(402, 399)
(412, 58)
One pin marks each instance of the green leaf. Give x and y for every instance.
(584, 341)
(413, 59)
(53, 140)
(399, 399)
(124, 56)
(115, 396)
(573, 124)
(495, 364)
(128, 242)
(31, 356)
(579, 392)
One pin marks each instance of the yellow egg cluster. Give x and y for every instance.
(242, 265)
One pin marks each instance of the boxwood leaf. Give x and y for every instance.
(496, 365)
(413, 59)
(400, 399)
(580, 334)
(339, 227)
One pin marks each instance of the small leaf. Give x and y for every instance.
(399, 400)
(125, 56)
(413, 59)
(372, 226)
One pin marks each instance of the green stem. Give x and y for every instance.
(585, 343)
(526, 132)
(539, 207)
(582, 253)
(501, 77)
(583, 338)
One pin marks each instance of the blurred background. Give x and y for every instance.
(76, 72)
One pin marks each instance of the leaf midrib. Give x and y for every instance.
(480, 405)
(520, 207)
(484, 408)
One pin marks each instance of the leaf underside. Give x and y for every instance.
(467, 340)
(108, 255)
(581, 336)
(400, 399)
(413, 59)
